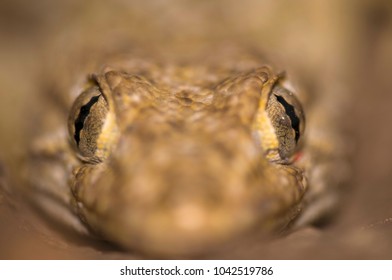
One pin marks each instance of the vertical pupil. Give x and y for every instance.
(83, 113)
(290, 111)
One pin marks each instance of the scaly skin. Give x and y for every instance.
(179, 157)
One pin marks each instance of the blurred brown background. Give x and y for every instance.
(344, 47)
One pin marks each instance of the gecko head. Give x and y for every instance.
(179, 172)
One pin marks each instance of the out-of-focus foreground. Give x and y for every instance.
(339, 46)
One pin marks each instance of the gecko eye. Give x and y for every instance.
(287, 118)
(92, 126)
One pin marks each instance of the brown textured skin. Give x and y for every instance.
(187, 173)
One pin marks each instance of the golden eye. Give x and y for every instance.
(287, 118)
(92, 127)
(279, 123)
